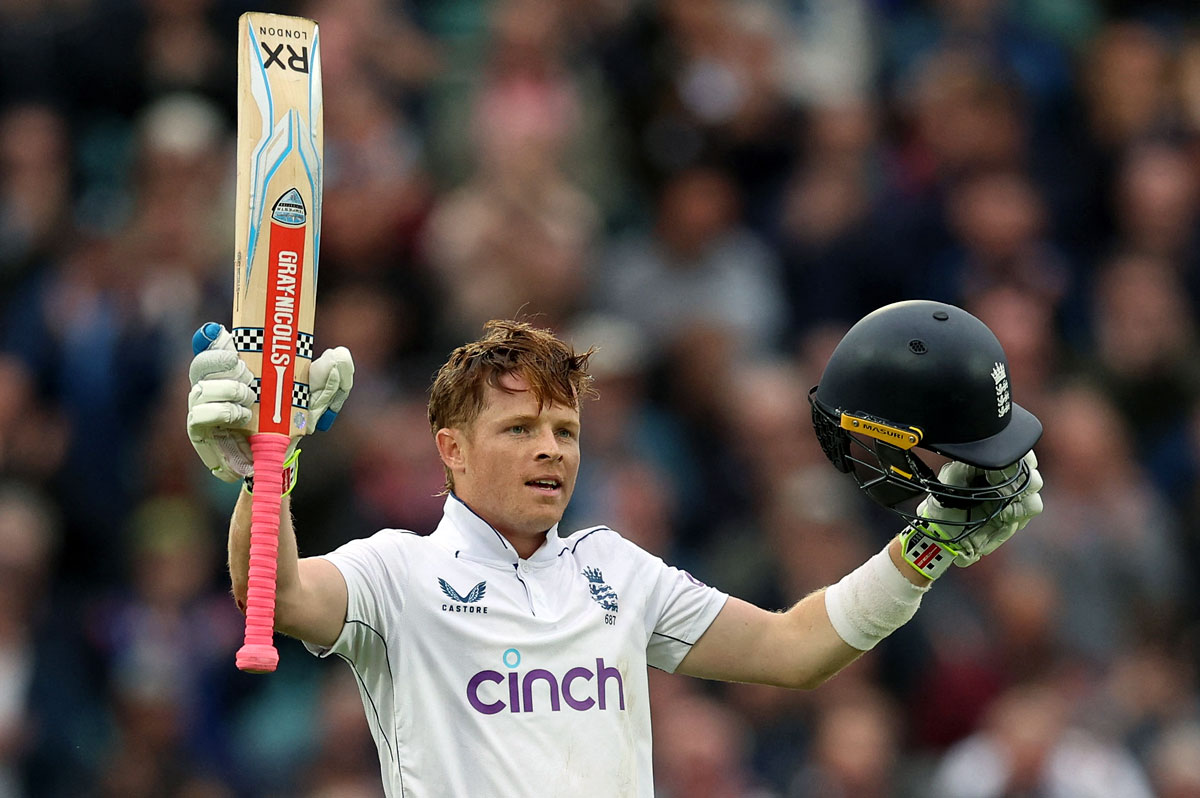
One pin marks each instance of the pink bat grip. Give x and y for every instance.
(258, 654)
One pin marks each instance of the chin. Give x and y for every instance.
(545, 520)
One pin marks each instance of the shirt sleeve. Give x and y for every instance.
(375, 570)
(679, 610)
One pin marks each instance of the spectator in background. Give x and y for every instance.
(1033, 335)
(50, 721)
(708, 81)
(33, 433)
(1175, 762)
(179, 220)
(698, 266)
(1157, 198)
(1116, 549)
(956, 117)
(701, 748)
(343, 761)
(1002, 633)
(1029, 745)
(180, 51)
(1000, 34)
(1124, 92)
(377, 470)
(1126, 85)
(998, 221)
(1141, 702)
(377, 190)
(835, 268)
(636, 449)
(1144, 357)
(1189, 80)
(93, 324)
(516, 236)
(163, 645)
(855, 753)
(35, 186)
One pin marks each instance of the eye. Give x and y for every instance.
(566, 433)
(517, 429)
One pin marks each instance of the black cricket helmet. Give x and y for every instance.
(923, 375)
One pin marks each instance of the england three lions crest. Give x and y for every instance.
(602, 594)
(1003, 396)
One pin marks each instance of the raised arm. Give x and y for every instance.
(311, 598)
(799, 648)
(310, 593)
(829, 629)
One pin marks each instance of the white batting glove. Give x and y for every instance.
(222, 398)
(330, 378)
(219, 404)
(927, 548)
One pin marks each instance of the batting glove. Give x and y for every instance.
(930, 549)
(222, 398)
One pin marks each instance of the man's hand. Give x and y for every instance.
(222, 398)
(220, 404)
(928, 547)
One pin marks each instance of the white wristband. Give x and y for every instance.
(871, 602)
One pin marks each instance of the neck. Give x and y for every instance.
(525, 545)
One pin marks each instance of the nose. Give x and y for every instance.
(548, 447)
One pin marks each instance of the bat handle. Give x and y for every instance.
(258, 653)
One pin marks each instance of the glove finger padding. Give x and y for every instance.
(219, 364)
(220, 403)
(1011, 518)
(959, 475)
(992, 534)
(330, 377)
(221, 400)
(1001, 475)
(1022, 511)
(983, 542)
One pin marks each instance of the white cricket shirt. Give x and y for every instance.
(486, 676)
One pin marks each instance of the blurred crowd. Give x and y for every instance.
(710, 192)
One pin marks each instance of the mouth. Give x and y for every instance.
(549, 486)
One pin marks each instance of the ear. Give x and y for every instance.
(450, 446)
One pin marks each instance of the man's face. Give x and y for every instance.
(518, 465)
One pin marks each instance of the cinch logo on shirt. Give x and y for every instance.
(465, 603)
(579, 688)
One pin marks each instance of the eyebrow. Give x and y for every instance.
(525, 418)
(520, 418)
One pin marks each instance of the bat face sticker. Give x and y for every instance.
(289, 209)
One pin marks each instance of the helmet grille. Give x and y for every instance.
(896, 478)
(833, 439)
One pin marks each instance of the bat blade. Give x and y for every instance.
(280, 145)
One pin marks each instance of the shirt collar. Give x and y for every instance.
(463, 531)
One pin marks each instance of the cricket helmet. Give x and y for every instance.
(922, 375)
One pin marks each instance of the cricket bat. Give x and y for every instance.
(280, 142)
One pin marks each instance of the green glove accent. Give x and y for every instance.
(927, 554)
(291, 472)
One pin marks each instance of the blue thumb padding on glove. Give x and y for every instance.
(326, 420)
(204, 337)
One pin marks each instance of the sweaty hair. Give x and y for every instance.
(555, 374)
